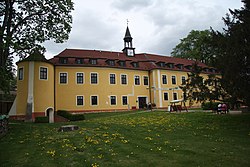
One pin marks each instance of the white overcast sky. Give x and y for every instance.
(155, 25)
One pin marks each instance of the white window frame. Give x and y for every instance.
(122, 100)
(110, 80)
(66, 78)
(19, 73)
(144, 80)
(166, 79)
(47, 73)
(83, 78)
(115, 100)
(83, 102)
(164, 96)
(126, 79)
(91, 100)
(172, 80)
(182, 77)
(97, 78)
(139, 80)
(176, 96)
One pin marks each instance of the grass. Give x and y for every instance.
(132, 139)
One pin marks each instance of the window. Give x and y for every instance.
(94, 79)
(145, 80)
(122, 63)
(112, 78)
(135, 64)
(94, 100)
(161, 64)
(79, 78)
(137, 80)
(164, 79)
(183, 80)
(171, 65)
(20, 74)
(165, 96)
(63, 78)
(93, 61)
(173, 80)
(111, 62)
(79, 61)
(63, 60)
(124, 79)
(175, 96)
(124, 100)
(79, 100)
(113, 100)
(43, 73)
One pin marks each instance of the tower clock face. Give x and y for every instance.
(130, 52)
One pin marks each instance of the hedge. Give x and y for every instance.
(69, 116)
(42, 120)
(210, 105)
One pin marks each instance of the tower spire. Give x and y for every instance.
(128, 46)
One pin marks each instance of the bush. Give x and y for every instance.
(42, 120)
(69, 116)
(210, 105)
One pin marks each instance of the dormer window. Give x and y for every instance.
(161, 64)
(170, 65)
(188, 67)
(111, 62)
(63, 60)
(180, 66)
(93, 61)
(122, 63)
(135, 64)
(79, 61)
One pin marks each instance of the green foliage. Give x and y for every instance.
(196, 46)
(232, 53)
(69, 116)
(210, 106)
(25, 25)
(42, 120)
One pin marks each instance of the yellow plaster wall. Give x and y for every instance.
(22, 89)
(66, 93)
(43, 89)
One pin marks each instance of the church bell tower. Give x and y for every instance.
(128, 46)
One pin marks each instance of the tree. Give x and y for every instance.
(25, 25)
(196, 46)
(232, 56)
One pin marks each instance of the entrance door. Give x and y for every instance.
(50, 114)
(142, 102)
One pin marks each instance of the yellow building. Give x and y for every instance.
(94, 80)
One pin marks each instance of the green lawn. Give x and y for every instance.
(132, 139)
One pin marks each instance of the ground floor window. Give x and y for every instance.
(79, 100)
(94, 100)
(175, 96)
(165, 96)
(124, 100)
(113, 100)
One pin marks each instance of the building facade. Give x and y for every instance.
(94, 80)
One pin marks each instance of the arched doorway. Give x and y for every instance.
(50, 114)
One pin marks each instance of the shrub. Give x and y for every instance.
(69, 116)
(210, 105)
(42, 120)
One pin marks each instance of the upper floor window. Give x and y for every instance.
(94, 78)
(137, 80)
(79, 78)
(79, 61)
(123, 79)
(43, 73)
(145, 80)
(122, 63)
(63, 78)
(173, 80)
(183, 80)
(170, 65)
(63, 60)
(111, 62)
(20, 73)
(112, 78)
(180, 66)
(164, 79)
(93, 61)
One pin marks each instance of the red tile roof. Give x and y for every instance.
(146, 61)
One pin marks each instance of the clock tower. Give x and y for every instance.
(128, 47)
